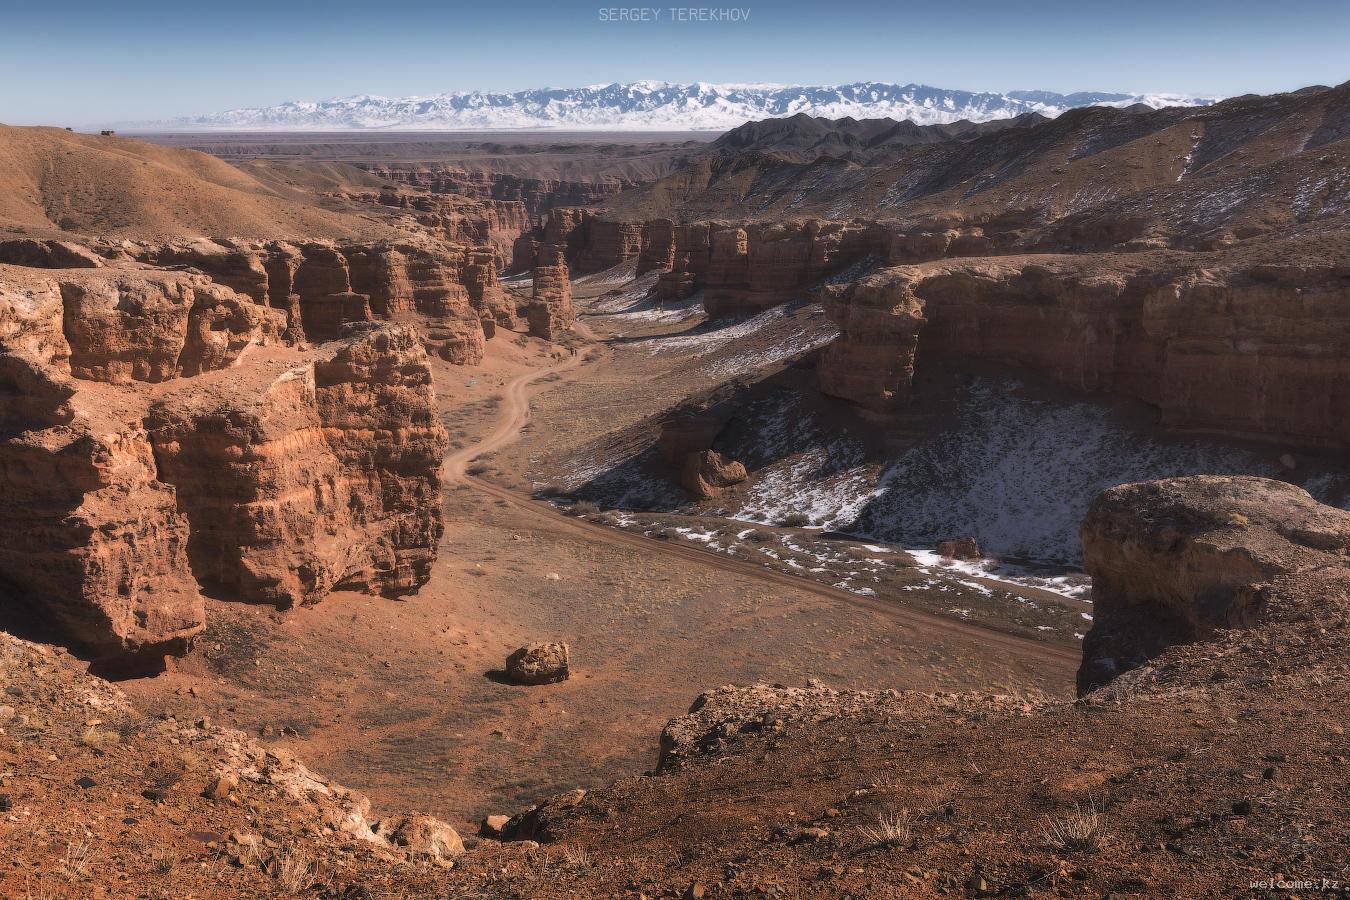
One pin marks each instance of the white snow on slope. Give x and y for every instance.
(656, 106)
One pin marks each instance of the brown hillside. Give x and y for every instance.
(55, 180)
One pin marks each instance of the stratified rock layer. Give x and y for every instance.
(1250, 350)
(550, 310)
(329, 478)
(134, 465)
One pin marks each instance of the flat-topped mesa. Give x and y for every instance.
(1250, 351)
(329, 478)
(323, 286)
(1176, 561)
(133, 465)
(550, 310)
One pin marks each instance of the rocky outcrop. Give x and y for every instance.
(872, 362)
(488, 224)
(328, 478)
(323, 286)
(155, 329)
(89, 534)
(48, 254)
(135, 465)
(740, 268)
(706, 474)
(593, 243)
(1247, 350)
(1175, 561)
(550, 310)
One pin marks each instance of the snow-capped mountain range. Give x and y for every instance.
(657, 106)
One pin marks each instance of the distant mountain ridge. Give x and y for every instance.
(658, 106)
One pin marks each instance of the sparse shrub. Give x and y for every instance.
(795, 520)
(756, 536)
(291, 869)
(547, 491)
(1081, 829)
(79, 854)
(478, 469)
(584, 508)
(891, 830)
(163, 860)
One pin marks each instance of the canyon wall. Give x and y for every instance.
(157, 433)
(329, 477)
(321, 287)
(536, 195)
(1242, 350)
(492, 224)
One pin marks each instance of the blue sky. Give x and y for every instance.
(82, 63)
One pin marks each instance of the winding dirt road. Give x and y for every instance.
(516, 407)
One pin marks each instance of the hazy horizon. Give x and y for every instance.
(152, 61)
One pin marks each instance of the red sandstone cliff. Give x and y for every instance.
(157, 434)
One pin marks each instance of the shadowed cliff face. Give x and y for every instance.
(157, 433)
(1245, 351)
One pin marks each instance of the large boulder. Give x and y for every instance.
(428, 837)
(539, 663)
(1175, 561)
(707, 475)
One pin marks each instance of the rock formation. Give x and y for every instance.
(550, 311)
(329, 477)
(536, 195)
(872, 362)
(1243, 349)
(539, 663)
(323, 286)
(706, 474)
(134, 468)
(1174, 561)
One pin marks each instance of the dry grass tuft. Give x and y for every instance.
(892, 830)
(1082, 829)
(79, 854)
(292, 870)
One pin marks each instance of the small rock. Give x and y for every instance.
(539, 663)
(1242, 807)
(153, 795)
(6, 804)
(6, 713)
(221, 786)
(1271, 773)
(492, 826)
(810, 834)
(86, 782)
